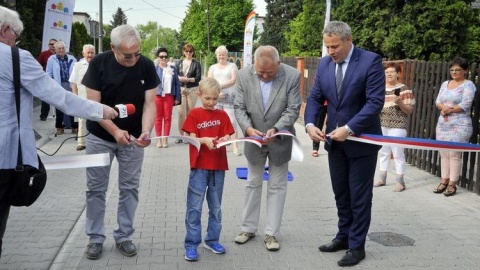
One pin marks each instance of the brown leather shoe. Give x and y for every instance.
(74, 130)
(60, 131)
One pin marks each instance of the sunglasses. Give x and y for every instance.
(189, 51)
(128, 56)
(162, 56)
(51, 44)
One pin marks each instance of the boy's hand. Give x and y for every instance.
(209, 142)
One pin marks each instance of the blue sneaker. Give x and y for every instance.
(191, 254)
(215, 248)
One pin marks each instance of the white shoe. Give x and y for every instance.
(271, 243)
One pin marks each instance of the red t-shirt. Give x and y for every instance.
(208, 123)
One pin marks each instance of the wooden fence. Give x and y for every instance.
(425, 79)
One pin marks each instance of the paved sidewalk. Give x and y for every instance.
(424, 230)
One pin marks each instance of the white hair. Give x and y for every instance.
(12, 19)
(59, 44)
(221, 49)
(88, 46)
(124, 34)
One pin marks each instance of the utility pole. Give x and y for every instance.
(100, 26)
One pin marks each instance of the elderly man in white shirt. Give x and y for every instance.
(78, 88)
(34, 82)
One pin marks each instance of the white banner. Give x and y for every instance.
(248, 39)
(327, 20)
(58, 22)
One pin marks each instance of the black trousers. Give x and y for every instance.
(45, 110)
(4, 206)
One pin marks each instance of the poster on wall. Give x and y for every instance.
(58, 22)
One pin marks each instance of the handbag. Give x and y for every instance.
(27, 182)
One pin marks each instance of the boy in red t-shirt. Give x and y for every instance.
(207, 169)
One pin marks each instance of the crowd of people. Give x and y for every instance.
(354, 93)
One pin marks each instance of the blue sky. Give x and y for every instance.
(167, 13)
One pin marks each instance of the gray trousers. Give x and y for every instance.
(130, 159)
(276, 196)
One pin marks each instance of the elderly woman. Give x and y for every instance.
(454, 124)
(399, 101)
(226, 74)
(189, 74)
(168, 95)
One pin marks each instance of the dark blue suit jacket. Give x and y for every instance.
(359, 102)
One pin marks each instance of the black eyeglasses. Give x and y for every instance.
(51, 44)
(162, 56)
(16, 36)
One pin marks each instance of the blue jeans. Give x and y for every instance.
(203, 182)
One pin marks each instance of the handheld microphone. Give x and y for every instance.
(124, 110)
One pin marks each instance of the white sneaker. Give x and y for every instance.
(271, 243)
(243, 237)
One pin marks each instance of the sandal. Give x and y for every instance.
(441, 188)
(315, 153)
(450, 192)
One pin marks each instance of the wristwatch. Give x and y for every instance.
(349, 131)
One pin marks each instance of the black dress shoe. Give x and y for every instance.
(334, 246)
(94, 251)
(352, 257)
(127, 248)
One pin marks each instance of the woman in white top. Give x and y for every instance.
(226, 74)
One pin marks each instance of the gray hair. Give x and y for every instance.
(124, 34)
(338, 28)
(221, 49)
(59, 43)
(12, 19)
(88, 46)
(267, 51)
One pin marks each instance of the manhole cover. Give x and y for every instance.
(391, 239)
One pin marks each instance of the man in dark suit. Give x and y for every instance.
(267, 99)
(353, 109)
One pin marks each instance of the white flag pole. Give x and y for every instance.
(327, 20)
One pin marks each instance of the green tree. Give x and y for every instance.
(424, 30)
(304, 37)
(277, 21)
(79, 38)
(118, 18)
(32, 14)
(226, 24)
(154, 37)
